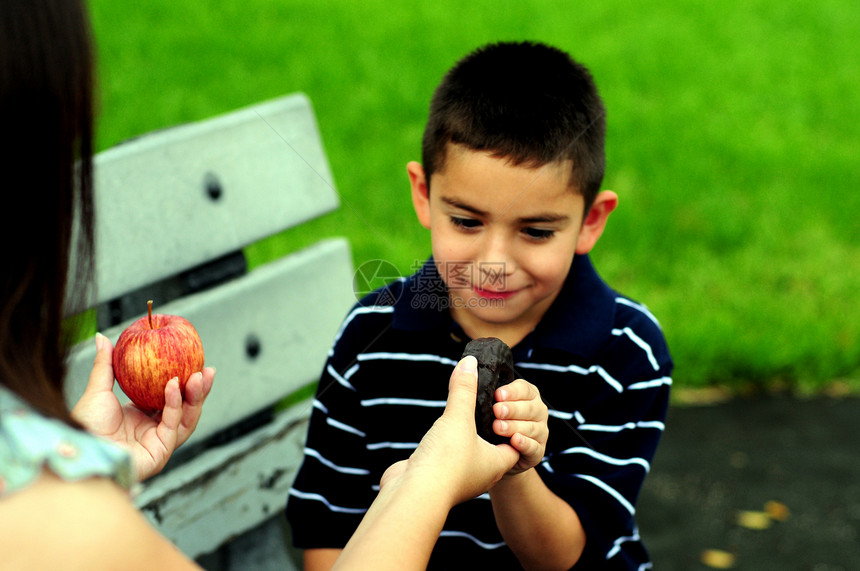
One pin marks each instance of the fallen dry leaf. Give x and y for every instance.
(753, 520)
(777, 510)
(718, 559)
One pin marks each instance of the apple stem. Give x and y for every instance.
(149, 308)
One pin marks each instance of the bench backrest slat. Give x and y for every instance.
(156, 217)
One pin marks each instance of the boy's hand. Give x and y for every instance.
(522, 416)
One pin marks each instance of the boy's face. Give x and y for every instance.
(503, 238)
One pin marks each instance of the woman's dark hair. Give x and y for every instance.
(526, 102)
(46, 134)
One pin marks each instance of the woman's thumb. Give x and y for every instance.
(463, 386)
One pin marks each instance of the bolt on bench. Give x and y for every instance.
(175, 208)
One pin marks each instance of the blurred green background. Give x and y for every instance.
(732, 142)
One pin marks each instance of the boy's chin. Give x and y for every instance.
(498, 312)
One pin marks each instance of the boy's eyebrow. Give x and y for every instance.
(543, 218)
(538, 218)
(462, 206)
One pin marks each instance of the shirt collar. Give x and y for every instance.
(423, 301)
(581, 316)
(577, 322)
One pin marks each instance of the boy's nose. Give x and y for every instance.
(496, 255)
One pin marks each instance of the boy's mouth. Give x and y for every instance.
(489, 294)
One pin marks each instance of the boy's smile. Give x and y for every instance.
(503, 237)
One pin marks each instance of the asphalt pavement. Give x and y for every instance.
(757, 483)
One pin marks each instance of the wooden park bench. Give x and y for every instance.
(175, 209)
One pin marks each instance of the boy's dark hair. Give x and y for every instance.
(527, 102)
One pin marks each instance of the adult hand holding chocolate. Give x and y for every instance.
(452, 454)
(451, 464)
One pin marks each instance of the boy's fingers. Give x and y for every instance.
(530, 410)
(528, 447)
(519, 389)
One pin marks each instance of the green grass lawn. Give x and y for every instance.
(732, 142)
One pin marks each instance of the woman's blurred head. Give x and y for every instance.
(46, 146)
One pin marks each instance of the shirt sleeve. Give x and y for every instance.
(602, 455)
(30, 442)
(334, 486)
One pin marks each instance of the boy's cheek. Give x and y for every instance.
(457, 275)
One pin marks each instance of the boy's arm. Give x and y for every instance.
(548, 515)
(542, 530)
(584, 491)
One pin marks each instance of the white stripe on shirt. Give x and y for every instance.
(351, 371)
(333, 466)
(619, 427)
(319, 498)
(609, 490)
(575, 369)
(616, 545)
(639, 341)
(608, 378)
(556, 368)
(651, 384)
(560, 414)
(384, 355)
(336, 376)
(393, 445)
(401, 401)
(351, 316)
(604, 458)
(447, 533)
(345, 427)
(638, 306)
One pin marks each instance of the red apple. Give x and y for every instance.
(150, 352)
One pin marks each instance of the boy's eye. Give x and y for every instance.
(467, 223)
(538, 233)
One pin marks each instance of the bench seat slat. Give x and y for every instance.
(228, 490)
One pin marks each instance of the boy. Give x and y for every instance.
(509, 188)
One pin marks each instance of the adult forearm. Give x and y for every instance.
(398, 532)
(541, 529)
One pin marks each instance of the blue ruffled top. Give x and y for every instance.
(30, 442)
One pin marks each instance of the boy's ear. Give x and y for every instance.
(595, 221)
(420, 195)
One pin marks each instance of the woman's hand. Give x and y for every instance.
(451, 455)
(451, 464)
(150, 439)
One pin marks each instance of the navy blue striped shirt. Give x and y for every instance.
(602, 367)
